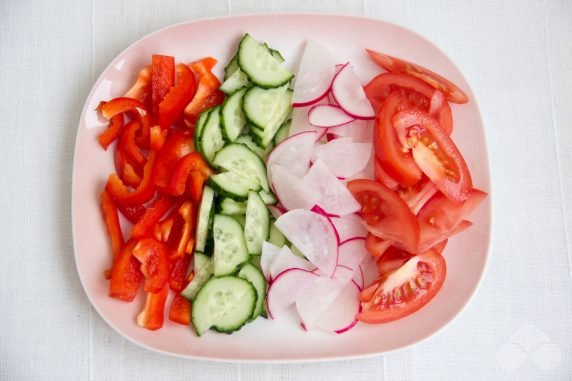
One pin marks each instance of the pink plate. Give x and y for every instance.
(282, 340)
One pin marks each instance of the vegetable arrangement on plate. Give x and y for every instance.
(267, 192)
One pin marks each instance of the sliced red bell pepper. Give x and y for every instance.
(144, 134)
(130, 176)
(128, 144)
(196, 186)
(208, 93)
(184, 167)
(111, 219)
(162, 229)
(113, 131)
(173, 104)
(180, 247)
(125, 170)
(132, 212)
(157, 137)
(152, 215)
(142, 86)
(119, 106)
(126, 276)
(180, 310)
(162, 79)
(179, 270)
(144, 192)
(177, 146)
(154, 260)
(153, 313)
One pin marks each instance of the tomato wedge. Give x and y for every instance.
(404, 291)
(376, 246)
(434, 152)
(418, 195)
(380, 87)
(397, 65)
(385, 214)
(393, 258)
(396, 163)
(383, 177)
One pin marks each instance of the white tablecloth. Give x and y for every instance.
(517, 55)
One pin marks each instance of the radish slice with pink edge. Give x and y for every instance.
(322, 212)
(358, 278)
(268, 256)
(313, 235)
(367, 173)
(315, 300)
(340, 316)
(343, 157)
(300, 122)
(334, 197)
(351, 253)
(285, 259)
(326, 116)
(348, 92)
(314, 75)
(293, 153)
(291, 191)
(276, 211)
(343, 274)
(286, 288)
(349, 226)
(370, 272)
(361, 131)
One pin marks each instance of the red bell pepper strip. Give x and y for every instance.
(162, 229)
(186, 211)
(130, 176)
(179, 269)
(125, 169)
(173, 104)
(120, 105)
(112, 132)
(180, 310)
(111, 219)
(177, 146)
(144, 192)
(154, 263)
(153, 313)
(142, 86)
(126, 276)
(196, 186)
(128, 144)
(132, 212)
(162, 79)
(157, 137)
(152, 215)
(187, 164)
(208, 93)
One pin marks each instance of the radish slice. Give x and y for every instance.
(300, 123)
(340, 316)
(326, 116)
(369, 267)
(269, 255)
(276, 211)
(286, 288)
(322, 212)
(343, 274)
(368, 172)
(334, 197)
(285, 259)
(360, 131)
(351, 253)
(349, 227)
(344, 158)
(314, 76)
(314, 301)
(313, 235)
(348, 92)
(358, 278)
(293, 153)
(292, 192)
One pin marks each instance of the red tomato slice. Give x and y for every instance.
(382, 85)
(383, 177)
(386, 215)
(396, 163)
(434, 152)
(396, 65)
(401, 292)
(376, 246)
(393, 258)
(418, 195)
(178, 145)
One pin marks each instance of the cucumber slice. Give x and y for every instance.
(203, 117)
(255, 261)
(229, 245)
(232, 117)
(224, 303)
(240, 160)
(282, 133)
(257, 223)
(203, 269)
(267, 109)
(247, 141)
(204, 219)
(276, 237)
(241, 219)
(231, 67)
(275, 53)
(259, 65)
(252, 274)
(211, 140)
(267, 197)
(236, 81)
(231, 208)
(229, 184)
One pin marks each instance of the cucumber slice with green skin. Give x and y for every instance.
(260, 66)
(241, 219)
(282, 133)
(240, 160)
(232, 118)
(211, 139)
(224, 303)
(200, 124)
(247, 141)
(204, 221)
(203, 270)
(231, 208)
(267, 109)
(275, 53)
(276, 237)
(231, 67)
(236, 81)
(257, 224)
(267, 197)
(229, 184)
(252, 274)
(230, 249)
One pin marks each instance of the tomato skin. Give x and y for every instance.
(397, 164)
(380, 87)
(434, 152)
(383, 177)
(397, 65)
(385, 214)
(431, 267)
(376, 246)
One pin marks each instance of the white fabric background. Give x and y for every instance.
(517, 56)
